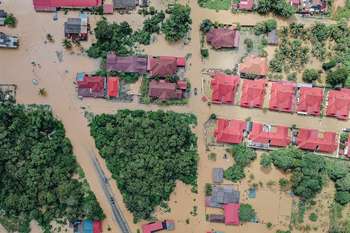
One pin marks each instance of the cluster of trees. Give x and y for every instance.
(265, 27)
(309, 172)
(178, 24)
(146, 153)
(116, 37)
(150, 26)
(290, 55)
(246, 213)
(37, 168)
(242, 156)
(278, 7)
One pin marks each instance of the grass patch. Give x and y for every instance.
(215, 4)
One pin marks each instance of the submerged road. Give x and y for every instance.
(117, 214)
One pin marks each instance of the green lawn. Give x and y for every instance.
(216, 4)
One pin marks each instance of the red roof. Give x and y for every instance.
(113, 86)
(49, 4)
(181, 62)
(162, 66)
(107, 8)
(253, 93)
(276, 137)
(224, 88)
(129, 64)
(339, 104)
(282, 96)
(181, 84)
(152, 227)
(246, 4)
(295, 2)
(309, 139)
(231, 212)
(164, 90)
(310, 100)
(254, 65)
(223, 38)
(91, 86)
(97, 227)
(229, 131)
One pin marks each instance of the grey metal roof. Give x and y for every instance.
(124, 4)
(3, 14)
(224, 195)
(73, 25)
(272, 37)
(218, 175)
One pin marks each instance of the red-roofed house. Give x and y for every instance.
(108, 6)
(152, 227)
(128, 64)
(164, 90)
(113, 87)
(97, 227)
(309, 139)
(229, 131)
(231, 212)
(265, 135)
(310, 100)
(253, 93)
(254, 65)
(339, 103)
(181, 61)
(223, 38)
(52, 5)
(90, 86)
(246, 5)
(163, 66)
(282, 96)
(224, 88)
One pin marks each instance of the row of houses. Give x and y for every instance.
(108, 5)
(265, 136)
(227, 198)
(152, 227)
(97, 86)
(284, 96)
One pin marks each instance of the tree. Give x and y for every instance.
(246, 213)
(178, 24)
(206, 25)
(146, 153)
(265, 26)
(264, 6)
(342, 197)
(337, 77)
(313, 217)
(266, 160)
(310, 75)
(343, 184)
(204, 53)
(10, 20)
(284, 183)
(67, 44)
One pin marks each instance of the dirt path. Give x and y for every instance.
(57, 78)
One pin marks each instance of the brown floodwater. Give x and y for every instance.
(16, 66)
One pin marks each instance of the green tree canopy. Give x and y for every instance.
(246, 213)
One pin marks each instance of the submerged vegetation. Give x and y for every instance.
(36, 171)
(146, 153)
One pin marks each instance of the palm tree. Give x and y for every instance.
(10, 20)
(42, 92)
(67, 44)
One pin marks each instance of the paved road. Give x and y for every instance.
(117, 214)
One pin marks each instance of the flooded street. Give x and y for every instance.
(37, 59)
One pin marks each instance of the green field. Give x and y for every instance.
(215, 4)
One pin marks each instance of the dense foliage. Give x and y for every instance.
(278, 7)
(111, 37)
(146, 153)
(265, 26)
(178, 24)
(309, 172)
(242, 156)
(310, 75)
(246, 213)
(37, 168)
(150, 26)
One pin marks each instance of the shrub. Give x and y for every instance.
(337, 77)
(329, 65)
(10, 20)
(284, 183)
(204, 53)
(206, 25)
(310, 75)
(246, 213)
(313, 217)
(266, 160)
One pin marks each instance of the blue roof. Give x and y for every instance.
(80, 76)
(88, 226)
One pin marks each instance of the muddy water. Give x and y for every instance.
(57, 78)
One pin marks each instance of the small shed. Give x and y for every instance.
(88, 226)
(217, 218)
(218, 175)
(272, 37)
(3, 16)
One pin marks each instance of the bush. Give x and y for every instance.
(204, 53)
(266, 160)
(313, 217)
(292, 77)
(337, 77)
(246, 213)
(249, 43)
(284, 183)
(10, 20)
(329, 65)
(310, 75)
(206, 25)
(265, 26)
